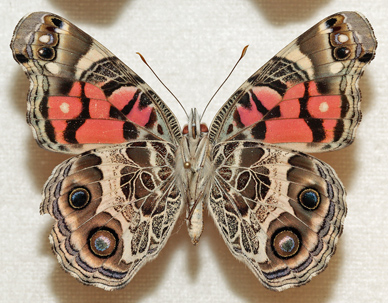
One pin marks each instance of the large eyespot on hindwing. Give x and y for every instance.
(286, 242)
(103, 242)
(79, 198)
(309, 198)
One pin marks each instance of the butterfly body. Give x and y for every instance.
(195, 171)
(116, 201)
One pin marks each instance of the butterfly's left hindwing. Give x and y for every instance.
(281, 212)
(114, 208)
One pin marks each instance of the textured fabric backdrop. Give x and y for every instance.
(192, 45)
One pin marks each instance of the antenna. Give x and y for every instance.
(144, 60)
(238, 61)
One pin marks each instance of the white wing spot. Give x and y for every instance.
(324, 107)
(342, 38)
(65, 108)
(336, 67)
(52, 68)
(45, 39)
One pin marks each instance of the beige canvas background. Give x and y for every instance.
(192, 45)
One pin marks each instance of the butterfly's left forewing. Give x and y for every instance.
(81, 95)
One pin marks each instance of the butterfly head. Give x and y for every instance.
(195, 129)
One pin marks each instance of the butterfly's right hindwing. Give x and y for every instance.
(281, 212)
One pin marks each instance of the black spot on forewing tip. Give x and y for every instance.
(21, 58)
(57, 22)
(329, 23)
(366, 58)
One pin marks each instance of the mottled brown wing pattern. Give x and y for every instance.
(279, 211)
(114, 208)
(307, 96)
(81, 95)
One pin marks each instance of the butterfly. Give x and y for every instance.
(116, 201)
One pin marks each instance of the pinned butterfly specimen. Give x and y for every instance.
(116, 201)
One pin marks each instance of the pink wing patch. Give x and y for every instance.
(138, 114)
(86, 115)
(318, 105)
(95, 131)
(303, 115)
(250, 114)
(298, 130)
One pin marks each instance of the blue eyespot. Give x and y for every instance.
(79, 197)
(309, 198)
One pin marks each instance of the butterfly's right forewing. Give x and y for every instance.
(307, 96)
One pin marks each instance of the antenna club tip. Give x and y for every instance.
(244, 51)
(142, 58)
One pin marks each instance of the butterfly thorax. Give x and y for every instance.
(194, 170)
